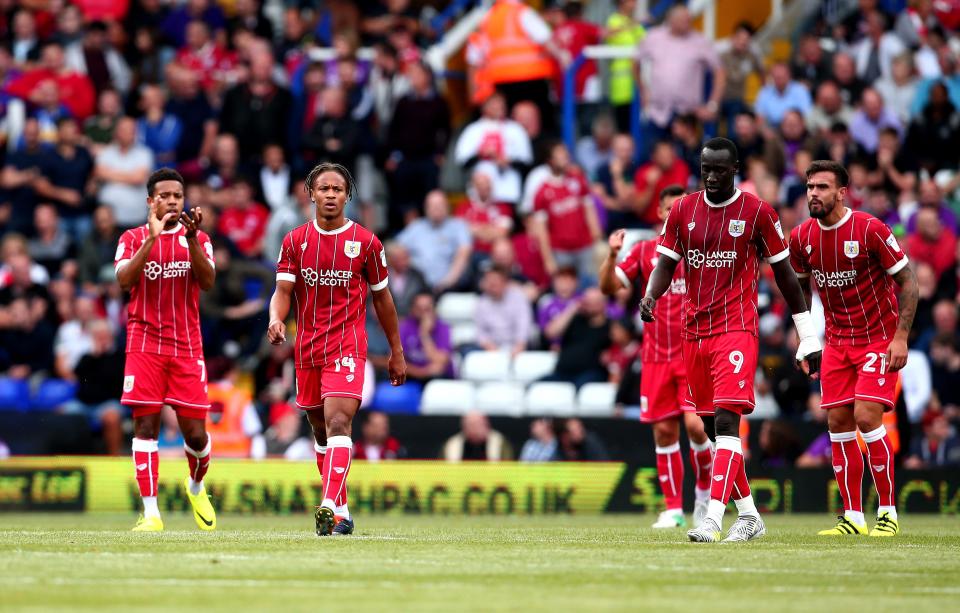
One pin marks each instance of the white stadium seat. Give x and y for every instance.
(463, 333)
(486, 366)
(500, 398)
(457, 307)
(532, 365)
(447, 397)
(551, 398)
(596, 399)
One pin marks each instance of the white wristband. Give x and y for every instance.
(804, 323)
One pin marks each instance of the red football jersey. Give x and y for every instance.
(330, 272)
(661, 338)
(164, 310)
(562, 200)
(852, 264)
(722, 245)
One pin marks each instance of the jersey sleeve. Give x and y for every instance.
(126, 248)
(669, 243)
(629, 269)
(883, 244)
(375, 267)
(207, 247)
(287, 265)
(798, 259)
(769, 235)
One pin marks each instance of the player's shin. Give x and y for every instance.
(339, 455)
(670, 473)
(726, 464)
(146, 461)
(701, 458)
(848, 470)
(742, 495)
(880, 455)
(198, 462)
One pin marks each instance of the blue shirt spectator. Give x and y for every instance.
(439, 244)
(782, 95)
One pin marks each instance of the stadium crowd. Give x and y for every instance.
(472, 194)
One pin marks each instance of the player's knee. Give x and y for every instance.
(727, 423)
(196, 440)
(665, 433)
(338, 425)
(841, 420)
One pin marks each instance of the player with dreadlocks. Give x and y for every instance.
(326, 265)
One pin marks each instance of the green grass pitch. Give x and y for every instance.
(402, 563)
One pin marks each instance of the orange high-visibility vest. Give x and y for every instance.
(512, 55)
(226, 432)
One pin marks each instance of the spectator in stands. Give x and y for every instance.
(845, 74)
(99, 377)
(947, 74)
(197, 118)
(687, 139)
(73, 337)
(818, 453)
(25, 338)
(520, 257)
(121, 169)
(47, 109)
(50, 245)
(571, 35)
(899, 88)
(12, 249)
(376, 443)
(487, 219)
(895, 169)
(593, 152)
(780, 95)
(159, 130)
(439, 244)
(426, 341)
(584, 332)
(503, 314)
(751, 142)
(24, 43)
(663, 169)
(23, 169)
(95, 57)
(75, 89)
(224, 169)
(812, 64)
(542, 444)
(174, 25)
(933, 134)
(65, 176)
(564, 208)
(624, 350)
(99, 128)
(614, 185)
(387, 83)
(476, 441)
(257, 111)
(496, 143)
(937, 447)
(870, 119)
(793, 136)
(875, 53)
(243, 221)
(527, 115)
(779, 446)
(945, 368)
(335, 136)
(740, 61)
(235, 307)
(275, 179)
(417, 141)
(623, 30)
(99, 246)
(406, 282)
(829, 109)
(552, 305)
(233, 420)
(932, 243)
(679, 58)
(248, 15)
(577, 444)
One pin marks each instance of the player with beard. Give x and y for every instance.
(855, 262)
(325, 266)
(721, 234)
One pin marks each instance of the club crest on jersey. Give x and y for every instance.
(351, 248)
(737, 226)
(128, 383)
(809, 249)
(691, 226)
(851, 249)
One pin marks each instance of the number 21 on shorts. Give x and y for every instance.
(872, 359)
(348, 362)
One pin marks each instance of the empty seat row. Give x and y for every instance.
(510, 398)
(497, 366)
(16, 395)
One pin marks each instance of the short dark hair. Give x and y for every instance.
(672, 191)
(723, 144)
(340, 169)
(163, 174)
(839, 172)
(745, 26)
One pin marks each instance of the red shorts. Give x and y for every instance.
(342, 378)
(720, 372)
(857, 372)
(151, 381)
(663, 390)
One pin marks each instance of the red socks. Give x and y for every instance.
(336, 467)
(726, 465)
(848, 469)
(880, 454)
(146, 460)
(198, 461)
(701, 458)
(670, 472)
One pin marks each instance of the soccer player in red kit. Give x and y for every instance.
(164, 264)
(325, 266)
(855, 260)
(721, 234)
(663, 385)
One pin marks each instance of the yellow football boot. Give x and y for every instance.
(886, 526)
(844, 527)
(203, 512)
(148, 524)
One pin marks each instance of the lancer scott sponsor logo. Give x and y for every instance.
(840, 278)
(711, 259)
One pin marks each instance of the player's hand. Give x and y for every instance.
(810, 365)
(896, 355)
(156, 226)
(191, 221)
(616, 241)
(646, 308)
(397, 368)
(276, 332)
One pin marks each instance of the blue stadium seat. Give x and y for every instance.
(14, 394)
(404, 399)
(52, 393)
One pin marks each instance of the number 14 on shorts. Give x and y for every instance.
(346, 362)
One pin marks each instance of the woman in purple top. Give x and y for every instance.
(426, 341)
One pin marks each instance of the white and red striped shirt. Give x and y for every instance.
(330, 271)
(722, 244)
(661, 338)
(164, 310)
(852, 263)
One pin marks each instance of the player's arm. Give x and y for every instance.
(279, 309)
(907, 299)
(387, 315)
(200, 262)
(128, 273)
(809, 352)
(610, 284)
(659, 282)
